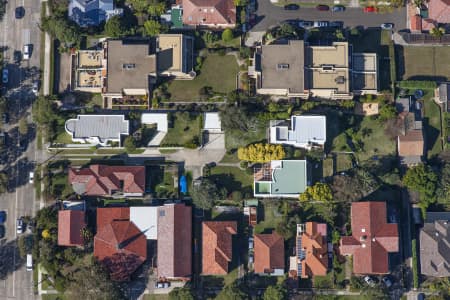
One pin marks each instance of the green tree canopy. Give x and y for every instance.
(3, 182)
(261, 152)
(129, 144)
(276, 292)
(181, 294)
(114, 27)
(232, 291)
(152, 28)
(205, 194)
(424, 180)
(318, 192)
(157, 9)
(227, 35)
(23, 126)
(61, 28)
(437, 31)
(139, 6)
(387, 112)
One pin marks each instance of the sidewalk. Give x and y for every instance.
(46, 79)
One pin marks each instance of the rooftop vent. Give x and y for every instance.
(340, 80)
(128, 66)
(282, 66)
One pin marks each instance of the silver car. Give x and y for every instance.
(387, 26)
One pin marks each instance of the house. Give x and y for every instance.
(302, 131)
(442, 95)
(92, 12)
(102, 180)
(97, 129)
(269, 254)
(70, 224)
(435, 12)
(162, 126)
(411, 147)
(146, 220)
(296, 69)
(88, 70)
(209, 13)
(311, 250)
(372, 239)
(119, 244)
(217, 246)
(280, 179)
(435, 247)
(175, 56)
(174, 247)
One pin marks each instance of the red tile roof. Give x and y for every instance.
(372, 238)
(416, 23)
(438, 12)
(119, 244)
(217, 248)
(101, 180)
(314, 244)
(70, 223)
(174, 241)
(269, 252)
(411, 144)
(209, 12)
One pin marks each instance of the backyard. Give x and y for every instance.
(433, 63)
(432, 125)
(217, 72)
(232, 179)
(184, 128)
(268, 216)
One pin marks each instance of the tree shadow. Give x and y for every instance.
(431, 134)
(8, 251)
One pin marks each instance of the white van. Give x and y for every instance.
(26, 51)
(29, 262)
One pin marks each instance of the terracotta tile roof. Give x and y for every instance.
(217, 248)
(101, 180)
(209, 12)
(411, 144)
(108, 214)
(70, 223)
(415, 23)
(174, 241)
(439, 11)
(269, 252)
(314, 244)
(372, 238)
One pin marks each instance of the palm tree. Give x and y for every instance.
(437, 31)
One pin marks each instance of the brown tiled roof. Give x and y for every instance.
(101, 180)
(269, 252)
(416, 23)
(174, 241)
(105, 215)
(372, 238)
(217, 248)
(70, 223)
(314, 244)
(209, 12)
(411, 144)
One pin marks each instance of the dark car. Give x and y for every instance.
(291, 22)
(291, 7)
(338, 8)
(17, 56)
(19, 12)
(2, 216)
(336, 24)
(2, 231)
(323, 7)
(306, 24)
(5, 118)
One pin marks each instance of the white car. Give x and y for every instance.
(26, 51)
(369, 281)
(19, 223)
(35, 87)
(31, 178)
(387, 26)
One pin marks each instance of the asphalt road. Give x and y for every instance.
(20, 199)
(268, 15)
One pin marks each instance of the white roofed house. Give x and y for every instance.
(302, 131)
(97, 129)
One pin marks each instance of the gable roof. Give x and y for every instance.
(313, 243)
(70, 223)
(269, 252)
(411, 144)
(209, 12)
(372, 238)
(101, 180)
(217, 249)
(435, 248)
(106, 215)
(174, 241)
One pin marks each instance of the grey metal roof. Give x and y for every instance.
(435, 248)
(307, 129)
(102, 126)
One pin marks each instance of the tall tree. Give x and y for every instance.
(156, 9)
(152, 28)
(206, 194)
(227, 35)
(129, 144)
(275, 292)
(232, 291)
(23, 126)
(181, 294)
(424, 180)
(114, 27)
(318, 192)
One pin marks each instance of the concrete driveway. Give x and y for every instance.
(269, 15)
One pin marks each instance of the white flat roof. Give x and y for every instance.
(146, 219)
(212, 121)
(160, 119)
(307, 129)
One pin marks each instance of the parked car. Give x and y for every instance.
(35, 88)
(336, 24)
(31, 177)
(369, 280)
(291, 6)
(19, 225)
(17, 56)
(387, 26)
(306, 24)
(19, 12)
(322, 7)
(5, 75)
(2, 231)
(338, 8)
(26, 51)
(370, 9)
(2, 216)
(387, 281)
(29, 262)
(321, 24)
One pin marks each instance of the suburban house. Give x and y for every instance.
(428, 15)
(280, 179)
(175, 56)
(311, 250)
(217, 246)
(411, 147)
(119, 244)
(98, 129)
(146, 219)
(92, 12)
(70, 224)
(102, 180)
(302, 131)
(208, 13)
(296, 69)
(372, 239)
(162, 126)
(435, 246)
(442, 95)
(174, 241)
(88, 71)
(269, 254)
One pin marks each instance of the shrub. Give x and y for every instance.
(227, 35)
(415, 266)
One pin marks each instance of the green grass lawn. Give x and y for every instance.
(232, 178)
(432, 125)
(269, 217)
(327, 167)
(343, 162)
(185, 127)
(156, 297)
(64, 138)
(218, 72)
(375, 143)
(230, 158)
(433, 63)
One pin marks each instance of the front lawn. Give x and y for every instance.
(218, 72)
(184, 127)
(433, 62)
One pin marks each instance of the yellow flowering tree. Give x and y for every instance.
(261, 153)
(318, 192)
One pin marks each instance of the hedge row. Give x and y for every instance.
(417, 84)
(415, 266)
